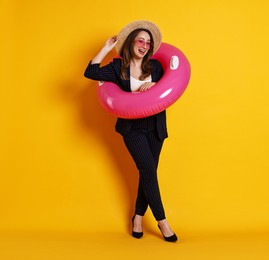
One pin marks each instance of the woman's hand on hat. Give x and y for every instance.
(111, 42)
(109, 45)
(145, 86)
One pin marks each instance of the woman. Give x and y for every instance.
(136, 71)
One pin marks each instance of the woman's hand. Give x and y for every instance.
(111, 42)
(145, 86)
(109, 45)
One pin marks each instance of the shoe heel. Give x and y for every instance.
(172, 238)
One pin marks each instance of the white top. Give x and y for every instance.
(136, 83)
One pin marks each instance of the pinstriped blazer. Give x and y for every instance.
(111, 72)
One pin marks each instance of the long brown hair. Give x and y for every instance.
(127, 52)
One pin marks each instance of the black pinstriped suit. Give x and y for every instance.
(143, 137)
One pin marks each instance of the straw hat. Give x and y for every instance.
(140, 24)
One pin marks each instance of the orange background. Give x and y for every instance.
(63, 168)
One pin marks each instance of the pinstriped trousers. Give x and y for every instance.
(144, 146)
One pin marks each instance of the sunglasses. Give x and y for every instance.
(143, 43)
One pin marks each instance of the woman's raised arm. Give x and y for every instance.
(109, 45)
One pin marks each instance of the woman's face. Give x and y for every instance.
(142, 44)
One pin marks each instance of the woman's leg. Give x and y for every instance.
(145, 149)
(155, 145)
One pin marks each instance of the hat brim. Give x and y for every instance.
(140, 24)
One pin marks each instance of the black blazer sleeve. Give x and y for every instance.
(109, 72)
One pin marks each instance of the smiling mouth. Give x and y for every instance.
(142, 51)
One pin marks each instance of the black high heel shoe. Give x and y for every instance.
(172, 238)
(135, 234)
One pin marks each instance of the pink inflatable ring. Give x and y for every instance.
(156, 99)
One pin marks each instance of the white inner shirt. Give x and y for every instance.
(136, 83)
